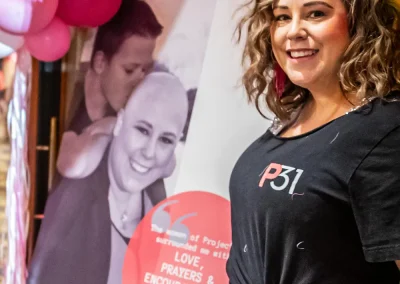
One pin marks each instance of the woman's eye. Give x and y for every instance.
(129, 70)
(166, 140)
(142, 130)
(316, 14)
(281, 18)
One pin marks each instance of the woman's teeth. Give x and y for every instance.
(139, 168)
(298, 54)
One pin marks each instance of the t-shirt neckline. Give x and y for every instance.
(305, 134)
(277, 133)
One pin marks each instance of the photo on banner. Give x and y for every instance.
(127, 122)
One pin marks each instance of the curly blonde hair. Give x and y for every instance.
(370, 66)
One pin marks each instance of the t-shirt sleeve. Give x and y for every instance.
(375, 196)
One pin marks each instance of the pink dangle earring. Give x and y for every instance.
(280, 80)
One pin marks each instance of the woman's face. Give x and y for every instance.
(309, 39)
(126, 69)
(146, 135)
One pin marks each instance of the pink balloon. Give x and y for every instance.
(87, 13)
(26, 16)
(51, 43)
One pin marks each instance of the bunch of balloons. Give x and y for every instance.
(43, 26)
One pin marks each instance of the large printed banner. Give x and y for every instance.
(141, 194)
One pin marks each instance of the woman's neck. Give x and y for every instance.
(322, 106)
(328, 102)
(126, 202)
(96, 103)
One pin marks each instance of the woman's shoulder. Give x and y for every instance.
(390, 100)
(381, 111)
(371, 123)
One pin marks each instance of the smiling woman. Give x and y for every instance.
(144, 141)
(363, 34)
(315, 199)
(311, 62)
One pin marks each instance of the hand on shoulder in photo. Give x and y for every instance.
(102, 126)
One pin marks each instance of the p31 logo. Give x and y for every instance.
(273, 171)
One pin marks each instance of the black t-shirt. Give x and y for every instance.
(322, 207)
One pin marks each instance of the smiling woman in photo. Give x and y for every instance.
(89, 221)
(315, 199)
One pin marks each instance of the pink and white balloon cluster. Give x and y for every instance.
(43, 25)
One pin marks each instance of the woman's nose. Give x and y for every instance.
(297, 30)
(149, 149)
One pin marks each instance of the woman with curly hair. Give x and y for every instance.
(316, 198)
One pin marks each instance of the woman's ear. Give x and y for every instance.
(118, 124)
(99, 62)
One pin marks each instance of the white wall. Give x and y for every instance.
(184, 49)
(223, 124)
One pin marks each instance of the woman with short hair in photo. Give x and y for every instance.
(122, 55)
(88, 222)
